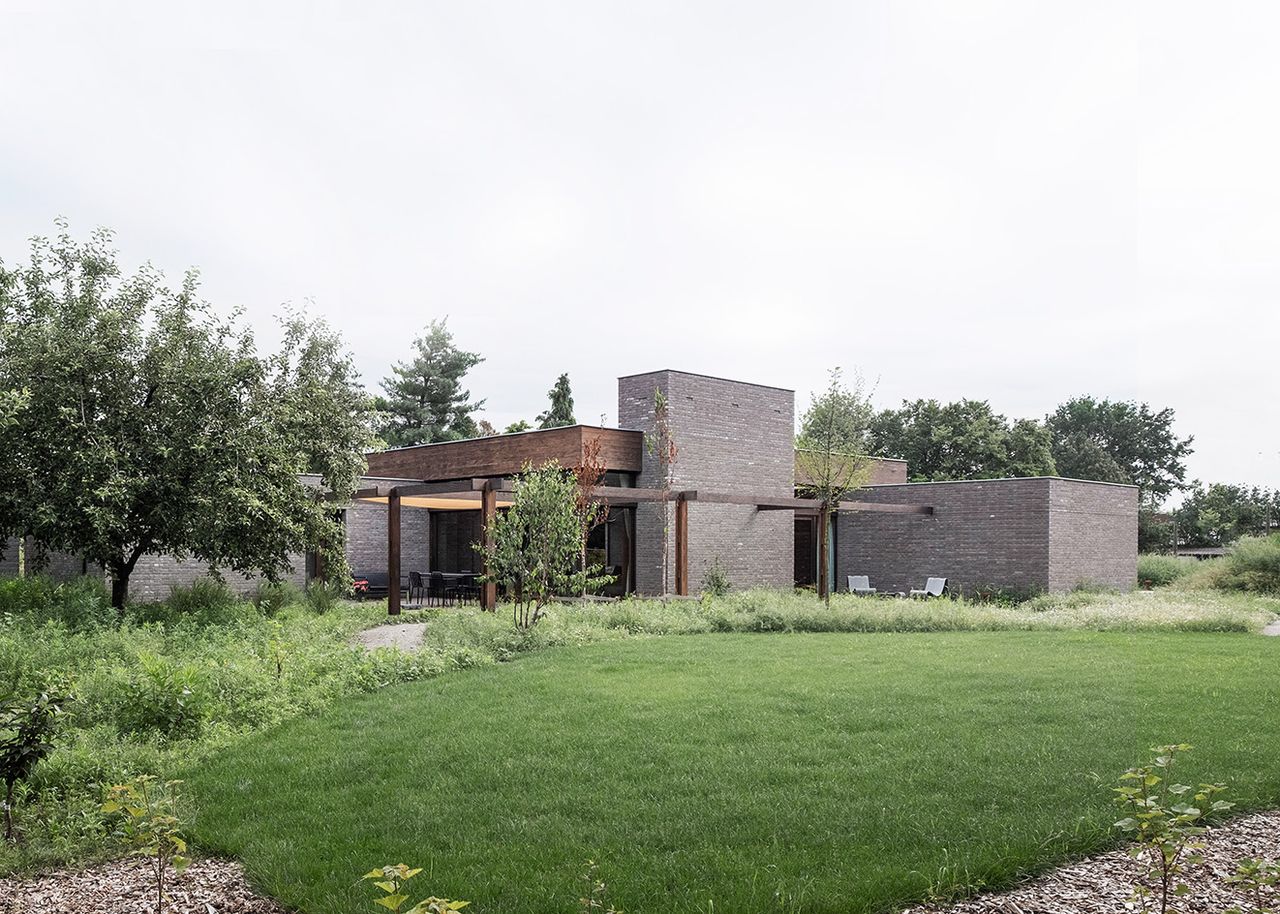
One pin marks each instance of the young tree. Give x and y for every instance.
(536, 544)
(153, 427)
(26, 731)
(561, 410)
(660, 442)
(830, 456)
(425, 400)
(591, 511)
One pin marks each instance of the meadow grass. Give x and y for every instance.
(739, 773)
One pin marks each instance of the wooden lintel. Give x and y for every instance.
(622, 494)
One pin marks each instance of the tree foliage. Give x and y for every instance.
(425, 400)
(536, 543)
(831, 454)
(149, 425)
(966, 439)
(26, 733)
(1219, 514)
(520, 425)
(560, 412)
(1113, 441)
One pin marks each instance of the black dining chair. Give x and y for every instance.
(436, 589)
(416, 585)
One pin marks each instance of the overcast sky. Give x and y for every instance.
(1018, 202)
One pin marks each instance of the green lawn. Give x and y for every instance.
(739, 773)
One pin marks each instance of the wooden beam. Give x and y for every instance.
(393, 554)
(488, 512)
(682, 545)
(621, 495)
(756, 501)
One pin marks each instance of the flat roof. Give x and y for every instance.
(710, 377)
(952, 482)
(528, 431)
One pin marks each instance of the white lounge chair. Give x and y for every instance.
(860, 584)
(932, 588)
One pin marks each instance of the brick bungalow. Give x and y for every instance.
(734, 502)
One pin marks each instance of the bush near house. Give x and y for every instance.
(1252, 564)
(1155, 570)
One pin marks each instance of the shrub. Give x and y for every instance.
(80, 604)
(323, 596)
(147, 812)
(1252, 564)
(1156, 570)
(207, 601)
(26, 728)
(163, 697)
(1165, 819)
(390, 881)
(715, 582)
(272, 596)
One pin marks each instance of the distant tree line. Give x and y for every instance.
(1084, 438)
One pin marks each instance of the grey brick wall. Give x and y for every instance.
(1093, 535)
(732, 437)
(60, 566)
(366, 546)
(155, 576)
(989, 532)
(1039, 533)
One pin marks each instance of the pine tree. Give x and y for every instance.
(561, 409)
(425, 399)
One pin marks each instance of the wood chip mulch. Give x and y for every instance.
(1104, 884)
(126, 887)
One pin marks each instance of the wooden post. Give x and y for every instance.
(682, 545)
(488, 511)
(393, 553)
(824, 567)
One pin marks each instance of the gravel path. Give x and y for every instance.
(406, 637)
(127, 887)
(1104, 884)
(1273, 629)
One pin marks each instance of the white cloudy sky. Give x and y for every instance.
(1012, 201)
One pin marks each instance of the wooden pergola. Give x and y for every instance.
(488, 494)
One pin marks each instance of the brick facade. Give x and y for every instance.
(155, 576)
(1093, 534)
(732, 437)
(366, 546)
(1023, 534)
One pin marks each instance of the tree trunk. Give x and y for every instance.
(824, 568)
(8, 812)
(119, 590)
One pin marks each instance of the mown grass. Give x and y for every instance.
(805, 773)
(175, 681)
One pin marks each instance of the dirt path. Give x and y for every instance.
(1273, 629)
(406, 637)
